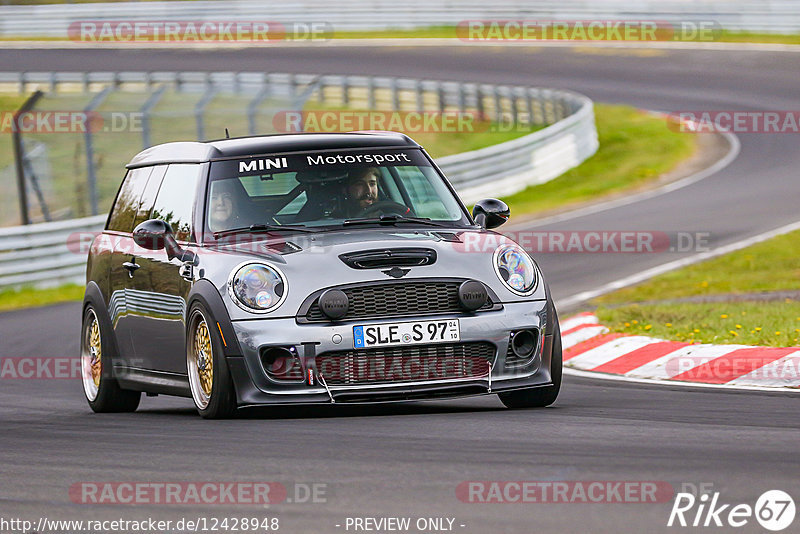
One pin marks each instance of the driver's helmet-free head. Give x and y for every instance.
(361, 189)
(222, 209)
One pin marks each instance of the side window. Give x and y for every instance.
(148, 198)
(176, 197)
(124, 211)
(427, 203)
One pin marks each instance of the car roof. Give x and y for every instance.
(200, 152)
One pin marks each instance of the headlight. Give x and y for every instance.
(515, 268)
(256, 287)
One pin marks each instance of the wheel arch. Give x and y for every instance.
(204, 292)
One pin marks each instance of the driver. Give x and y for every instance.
(361, 190)
(221, 212)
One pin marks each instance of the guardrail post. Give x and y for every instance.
(53, 82)
(252, 107)
(237, 83)
(512, 95)
(345, 91)
(90, 170)
(199, 111)
(22, 83)
(479, 104)
(441, 96)
(321, 90)
(19, 156)
(395, 94)
(292, 87)
(370, 93)
(85, 81)
(146, 109)
(420, 96)
(498, 107)
(462, 98)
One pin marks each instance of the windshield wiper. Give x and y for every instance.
(392, 219)
(259, 228)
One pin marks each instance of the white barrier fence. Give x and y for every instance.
(52, 253)
(54, 20)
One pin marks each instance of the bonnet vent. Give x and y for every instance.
(389, 257)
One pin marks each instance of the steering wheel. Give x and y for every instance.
(385, 207)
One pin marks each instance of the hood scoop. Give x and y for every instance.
(389, 257)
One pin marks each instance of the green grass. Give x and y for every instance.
(450, 32)
(29, 297)
(773, 324)
(634, 148)
(768, 266)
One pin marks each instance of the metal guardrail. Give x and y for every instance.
(46, 254)
(51, 253)
(54, 20)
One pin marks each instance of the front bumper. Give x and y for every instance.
(255, 387)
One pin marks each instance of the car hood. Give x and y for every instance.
(311, 262)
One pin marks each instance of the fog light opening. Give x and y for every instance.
(282, 363)
(523, 343)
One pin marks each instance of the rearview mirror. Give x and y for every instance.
(490, 213)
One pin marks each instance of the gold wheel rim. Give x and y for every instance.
(96, 352)
(204, 357)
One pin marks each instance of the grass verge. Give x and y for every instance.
(635, 148)
(767, 266)
(29, 297)
(764, 267)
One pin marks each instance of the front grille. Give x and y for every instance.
(415, 363)
(398, 299)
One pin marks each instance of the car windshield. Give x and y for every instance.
(331, 188)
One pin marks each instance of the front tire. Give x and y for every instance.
(101, 389)
(539, 397)
(209, 378)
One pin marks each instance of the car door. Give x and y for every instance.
(158, 288)
(118, 230)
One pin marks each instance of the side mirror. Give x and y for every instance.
(155, 234)
(490, 213)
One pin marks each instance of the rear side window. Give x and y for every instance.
(124, 211)
(175, 199)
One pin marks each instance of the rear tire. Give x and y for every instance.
(209, 378)
(101, 389)
(539, 397)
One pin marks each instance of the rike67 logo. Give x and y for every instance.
(774, 510)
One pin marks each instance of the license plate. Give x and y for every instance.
(411, 333)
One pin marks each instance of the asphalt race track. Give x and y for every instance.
(409, 459)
